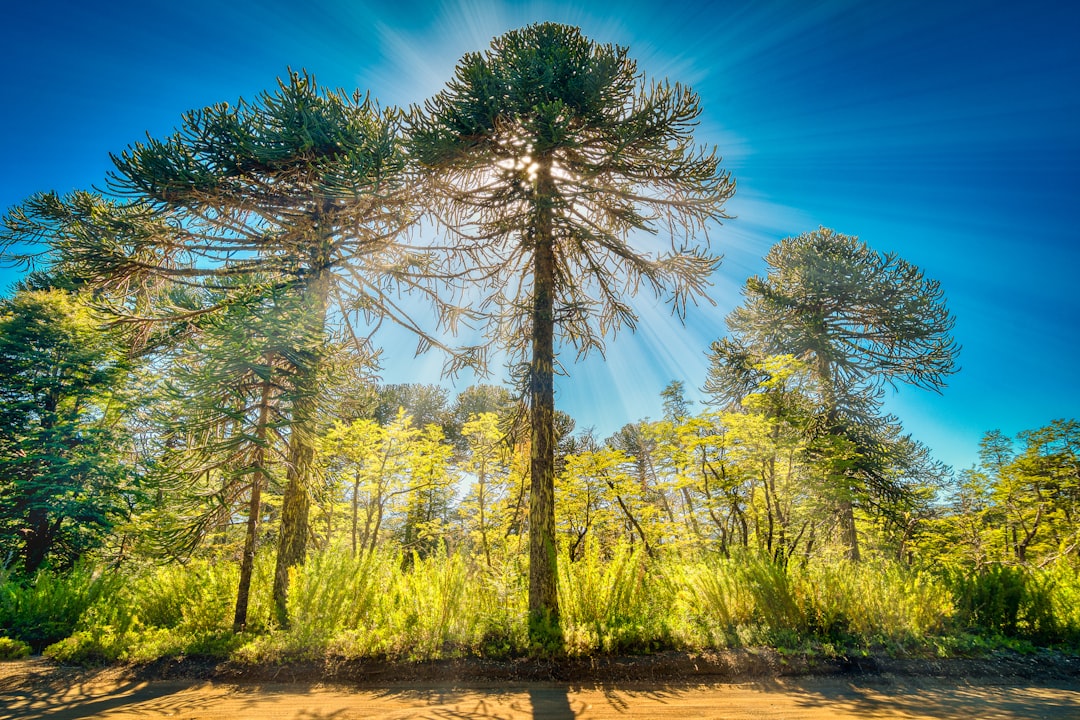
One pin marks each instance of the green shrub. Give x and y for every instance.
(613, 605)
(1016, 602)
(48, 607)
(1065, 600)
(773, 594)
(11, 649)
(746, 599)
(431, 614)
(873, 602)
(335, 592)
(195, 597)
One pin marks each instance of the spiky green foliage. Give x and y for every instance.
(302, 189)
(859, 319)
(866, 318)
(49, 607)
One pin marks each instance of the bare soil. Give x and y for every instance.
(732, 684)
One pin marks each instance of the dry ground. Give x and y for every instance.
(739, 685)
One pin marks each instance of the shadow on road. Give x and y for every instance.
(35, 695)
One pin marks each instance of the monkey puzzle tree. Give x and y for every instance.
(859, 319)
(564, 175)
(303, 188)
(230, 388)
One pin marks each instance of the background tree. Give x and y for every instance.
(372, 463)
(486, 463)
(557, 164)
(1035, 489)
(226, 429)
(64, 454)
(431, 492)
(860, 319)
(425, 403)
(676, 406)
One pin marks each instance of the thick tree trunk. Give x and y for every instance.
(296, 502)
(38, 540)
(295, 511)
(543, 574)
(848, 531)
(247, 562)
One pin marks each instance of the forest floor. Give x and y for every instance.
(732, 684)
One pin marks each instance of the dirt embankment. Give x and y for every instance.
(728, 666)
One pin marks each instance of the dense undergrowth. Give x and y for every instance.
(393, 607)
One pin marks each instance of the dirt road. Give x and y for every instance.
(33, 689)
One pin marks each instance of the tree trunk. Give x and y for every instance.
(848, 531)
(247, 562)
(296, 503)
(38, 540)
(846, 508)
(543, 577)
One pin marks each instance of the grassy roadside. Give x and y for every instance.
(451, 608)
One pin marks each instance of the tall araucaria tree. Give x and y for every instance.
(860, 319)
(569, 183)
(305, 189)
(230, 387)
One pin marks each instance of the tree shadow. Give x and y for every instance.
(880, 696)
(944, 700)
(551, 703)
(534, 700)
(60, 702)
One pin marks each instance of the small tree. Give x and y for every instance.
(230, 387)
(556, 165)
(486, 462)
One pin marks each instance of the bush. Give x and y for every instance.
(613, 605)
(48, 607)
(1016, 602)
(874, 602)
(13, 649)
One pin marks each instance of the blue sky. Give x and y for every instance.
(945, 131)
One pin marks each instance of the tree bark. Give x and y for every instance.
(247, 562)
(296, 502)
(846, 508)
(38, 539)
(543, 573)
(848, 530)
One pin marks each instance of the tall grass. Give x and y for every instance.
(173, 610)
(749, 599)
(614, 600)
(734, 601)
(376, 605)
(1013, 602)
(614, 603)
(49, 607)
